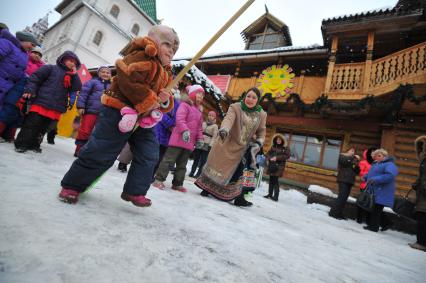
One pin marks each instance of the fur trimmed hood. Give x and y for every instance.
(420, 147)
(278, 135)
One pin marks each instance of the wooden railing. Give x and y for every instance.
(347, 77)
(398, 67)
(385, 74)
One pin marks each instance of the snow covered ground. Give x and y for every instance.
(181, 237)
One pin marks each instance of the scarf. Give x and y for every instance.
(256, 108)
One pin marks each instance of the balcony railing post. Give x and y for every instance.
(368, 62)
(331, 62)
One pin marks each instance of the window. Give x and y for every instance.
(314, 150)
(114, 11)
(98, 38)
(135, 29)
(269, 38)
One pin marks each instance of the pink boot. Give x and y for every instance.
(151, 120)
(159, 185)
(179, 188)
(136, 200)
(128, 121)
(69, 196)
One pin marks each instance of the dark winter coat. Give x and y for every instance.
(47, 84)
(381, 181)
(281, 152)
(13, 62)
(163, 130)
(348, 169)
(90, 95)
(420, 184)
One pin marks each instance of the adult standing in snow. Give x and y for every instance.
(89, 105)
(420, 187)
(142, 77)
(276, 158)
(210, 130)
(381, 182)
(243, 121)
(348, 169)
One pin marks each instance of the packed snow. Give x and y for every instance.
(182, 237)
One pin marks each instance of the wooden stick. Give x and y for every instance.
(209, 43)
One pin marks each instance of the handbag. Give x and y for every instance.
(404, 207)
(365, 200)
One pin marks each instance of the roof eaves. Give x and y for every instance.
(142, 12)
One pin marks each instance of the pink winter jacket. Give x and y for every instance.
(33, 66)
(188, 117)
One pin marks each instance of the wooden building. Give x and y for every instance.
(365, 87)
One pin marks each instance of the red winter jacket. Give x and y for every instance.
(364, 167)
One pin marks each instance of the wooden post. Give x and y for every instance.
(299, 85)
(388, 139)
(331, 62)
(368, 62)
(209, 43)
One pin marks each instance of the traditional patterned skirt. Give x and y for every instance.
(225, 193)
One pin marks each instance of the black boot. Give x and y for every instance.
(204, 193)
(241, 201)
(267, 196)
(51, 137)
(122, 167)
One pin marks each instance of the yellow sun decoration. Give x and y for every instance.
(276, 80)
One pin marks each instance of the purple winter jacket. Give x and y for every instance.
(163, 130)
(13, 62)
(188, 117)
(47, 84)
(90, 95)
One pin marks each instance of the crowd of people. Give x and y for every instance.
(135, 117)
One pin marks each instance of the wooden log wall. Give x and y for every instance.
(405, 155)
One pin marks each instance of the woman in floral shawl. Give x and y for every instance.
(243, 128)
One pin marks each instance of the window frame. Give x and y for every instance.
(114, 11)
(94, 40)
(138, 29)
(263, 36)
(324, 145)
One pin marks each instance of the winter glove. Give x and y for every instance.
(186, 136)
(199, 144)
(128, 121)
(223, 134)
(23, 105)
(151, 120)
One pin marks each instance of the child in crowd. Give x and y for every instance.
(186, 133)
(142, 76)
(13, 61)
(49, 89)
(89, 104)
(210, 131)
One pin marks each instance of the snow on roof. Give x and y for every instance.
(260, 51)
(382, 10)
(199, 77)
